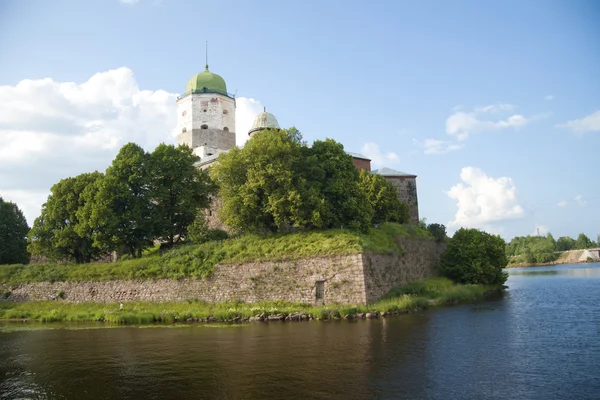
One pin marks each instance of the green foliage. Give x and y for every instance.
(346, 204)
(276, 183)
(264, 187)
(383, 198)
(533, 249)
(438, 231)
(565, 243)
(475, 257)
(583, 242)
(179, 190)
(198, 261)
(58, 233)
(199, 232)
(119, 211)
(13, 234)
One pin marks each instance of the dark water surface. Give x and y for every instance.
(540, 341)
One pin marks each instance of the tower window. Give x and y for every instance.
(184, 130)
(204, 126)
(204, 110)
(225, 112)
(183, 114)
(226, 129)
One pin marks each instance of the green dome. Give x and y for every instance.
(206, 81)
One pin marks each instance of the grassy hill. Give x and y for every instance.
(198, 261)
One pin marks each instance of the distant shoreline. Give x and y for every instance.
(546, 264)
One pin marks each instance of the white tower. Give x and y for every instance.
(206, 115)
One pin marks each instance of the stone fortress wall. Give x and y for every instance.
(351, 279)
(407, 193)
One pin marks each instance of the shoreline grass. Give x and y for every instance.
(409, 298)
(198, 261)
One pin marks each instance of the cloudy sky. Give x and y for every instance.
(494, 105)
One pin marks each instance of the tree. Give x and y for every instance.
(13, 234)
(474, 256)
(565, 243)
(345, 203)
(59, 233)
(264, 187)
(383, 198)
(277, 183)
(438, 231)
(179, 190)
(120, 212)
(583, 242)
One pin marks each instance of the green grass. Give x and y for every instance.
(418, 295)
(198, 261)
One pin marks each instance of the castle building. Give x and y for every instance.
(206, 123)
(206, 115)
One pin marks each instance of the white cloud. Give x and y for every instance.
(549, 97)
(482, 200)
(591, 123)
(561, 203)
(579, 199)
(434, 146)
(378, 158)
(461, 124)
(52, 130)
(245, 112)
(494, 108)
(540, 230)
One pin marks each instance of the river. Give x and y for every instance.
(541, 340)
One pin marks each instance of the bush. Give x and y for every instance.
(438, 231)
(475, 257)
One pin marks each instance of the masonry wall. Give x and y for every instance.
(384, 272)
(407, 192)
(352, 279)
(361, 163)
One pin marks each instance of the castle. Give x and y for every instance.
(206, 123)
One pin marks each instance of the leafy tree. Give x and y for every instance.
(583, 242)
(565, 243)
(474, 256)
(438, 231)
(266, 186)
(120, 212)
(345, 203)
(58, 233)
(383, 198)
(262, 186)
(179, 190)
(13, 234)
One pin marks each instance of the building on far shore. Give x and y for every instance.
(206, 123)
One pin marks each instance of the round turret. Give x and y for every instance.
(206, 82)
(263, 121)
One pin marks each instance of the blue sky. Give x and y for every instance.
(494, 105)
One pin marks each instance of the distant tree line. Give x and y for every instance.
(540, 249)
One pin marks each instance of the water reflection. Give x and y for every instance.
(576, 270)
(318, 360)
